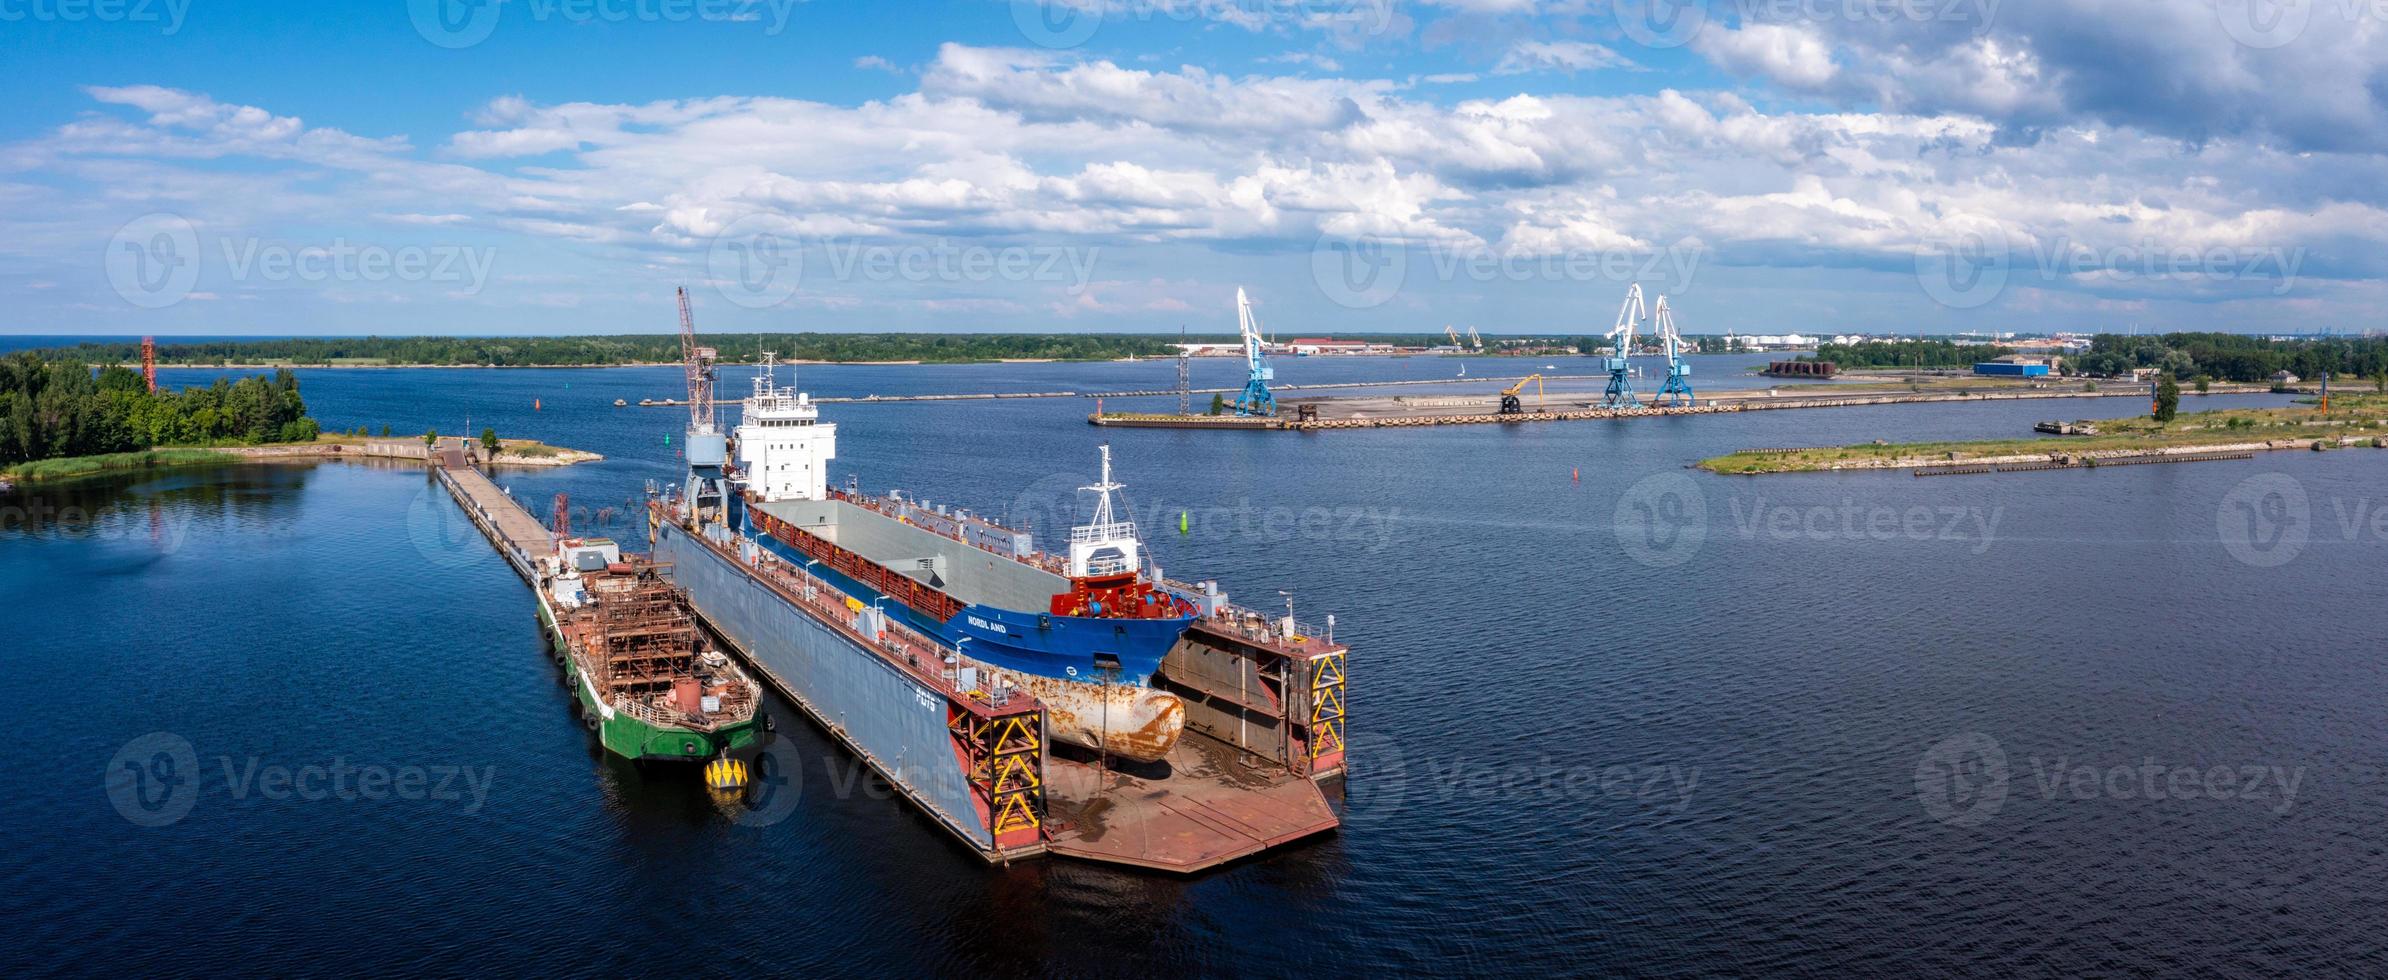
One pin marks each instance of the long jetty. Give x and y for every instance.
(518, 537)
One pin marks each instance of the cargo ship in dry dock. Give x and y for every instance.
(960, 663)
(647, 680)
(1083, 632)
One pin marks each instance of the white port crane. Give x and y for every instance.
(1629, 317)
(1255, 398)
(1677, 390)
(1472, 337)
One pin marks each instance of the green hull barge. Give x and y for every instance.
(647, 680)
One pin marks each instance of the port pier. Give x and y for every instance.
(1327, 414)
(519, 538)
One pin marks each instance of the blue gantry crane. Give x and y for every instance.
(1255, 398)
(1678, 389)
(1620, 391)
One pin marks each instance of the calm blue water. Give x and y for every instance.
(1609, 714)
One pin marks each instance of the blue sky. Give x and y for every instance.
(549, 166)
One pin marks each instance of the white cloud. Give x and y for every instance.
(1567, 56)
(1036, 147)
(1788, 54)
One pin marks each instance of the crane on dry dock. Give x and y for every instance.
(1630, 316)
(1511, 404)
(1677, 390)
(707, 450)
(1255, 399)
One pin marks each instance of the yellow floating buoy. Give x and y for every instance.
(725, 773)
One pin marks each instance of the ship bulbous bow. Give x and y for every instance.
(1122, 720)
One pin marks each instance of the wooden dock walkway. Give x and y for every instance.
(520, 538)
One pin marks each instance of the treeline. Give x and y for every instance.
(1908, 353)
(50, 409)
(631, 349)
(2233, 357)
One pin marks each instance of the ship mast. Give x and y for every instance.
(1104, 486)
(1106, 545)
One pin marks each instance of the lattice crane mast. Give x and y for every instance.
(705, 446)
(1255, 399)
(1629, 317)
(1678, 389)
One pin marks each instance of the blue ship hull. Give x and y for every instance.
(1067, 648)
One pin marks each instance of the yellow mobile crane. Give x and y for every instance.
(1510, 403)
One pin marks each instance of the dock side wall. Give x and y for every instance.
(895, 724)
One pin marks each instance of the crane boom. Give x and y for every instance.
(1629, 317)
(1510, 405)
(698, 362)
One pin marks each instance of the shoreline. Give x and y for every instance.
(2202, 435)
(68, 468)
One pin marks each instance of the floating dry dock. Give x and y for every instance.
(1264, 708)
(1264, 720)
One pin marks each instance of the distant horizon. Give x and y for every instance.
(1278, 336)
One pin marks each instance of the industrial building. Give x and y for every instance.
(2014, 366)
